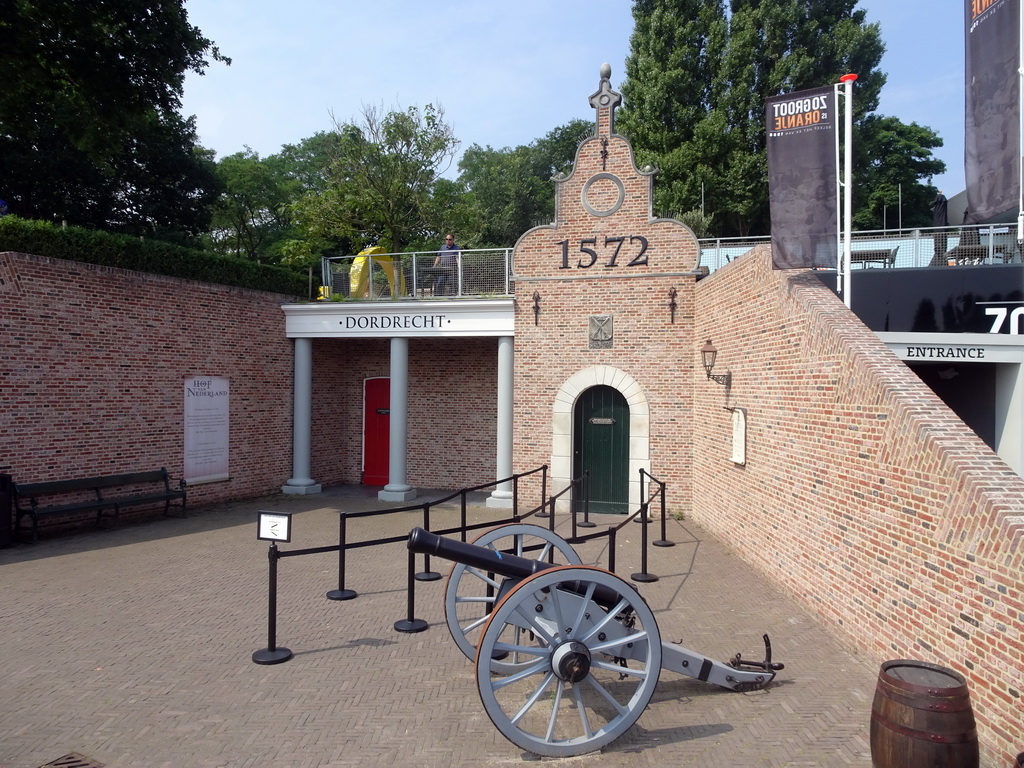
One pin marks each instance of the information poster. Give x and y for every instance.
(739, 436)
(206, 429)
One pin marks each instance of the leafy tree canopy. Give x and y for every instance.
(697, 78)
(89, 125)
(510, 190)
(381, 178)
(253, 218)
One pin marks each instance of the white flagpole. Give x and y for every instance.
(847, 185)
(840, 274)
(1020, 129)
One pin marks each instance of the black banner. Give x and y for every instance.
(992, 120)
(801, 136)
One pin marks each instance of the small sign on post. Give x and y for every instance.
(275, 526)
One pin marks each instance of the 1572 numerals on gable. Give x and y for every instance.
(612, 250)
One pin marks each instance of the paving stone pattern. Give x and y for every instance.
(133, 647)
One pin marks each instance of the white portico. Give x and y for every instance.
(399, 321)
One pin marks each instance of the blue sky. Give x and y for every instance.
(506, 73)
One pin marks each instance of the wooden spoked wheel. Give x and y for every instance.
(471, 593)
(590, 670)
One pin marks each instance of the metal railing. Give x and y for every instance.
(486, 272)
(475, 273)
(924, 247)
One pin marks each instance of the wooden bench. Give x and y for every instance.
(105, 495)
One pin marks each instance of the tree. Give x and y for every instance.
(89, 125)
(670, 91)
(892, 158)
(697, 81)
(671, 71)
(381, 179)
(510, 190)
(252, 218)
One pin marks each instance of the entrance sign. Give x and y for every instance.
(801, 135)
(954, 347)
(207, 429)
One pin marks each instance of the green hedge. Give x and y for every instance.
(42, 238)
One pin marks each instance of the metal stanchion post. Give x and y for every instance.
(462, 517)
(663, 541)
(586, 503)
(341, 593)
(544, 493)
(272, 654)
(515, 498)
(643, 576)
(426, 574)
(410, 624)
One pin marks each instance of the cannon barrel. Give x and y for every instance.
(510, 566)
(424, 542)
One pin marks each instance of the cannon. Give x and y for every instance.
(567, 655)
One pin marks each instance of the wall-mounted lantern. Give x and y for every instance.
(708, 354)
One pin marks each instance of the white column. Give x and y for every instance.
(302, 421)
(397, 488)
(502, 495)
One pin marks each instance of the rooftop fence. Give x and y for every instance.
(898, 249)
(487, 272)
(473, 273)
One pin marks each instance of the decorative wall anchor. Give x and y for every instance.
(672, 303)
(536, 306)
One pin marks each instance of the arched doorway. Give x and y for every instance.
(563, 408)
(601, 447)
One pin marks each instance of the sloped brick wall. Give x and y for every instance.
(863, 494)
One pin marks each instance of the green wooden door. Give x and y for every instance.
(601, 445)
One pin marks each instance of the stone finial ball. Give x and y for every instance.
(606, 71)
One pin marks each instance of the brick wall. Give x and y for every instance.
(93, 362)
(863, 494)
(620, 263)
(451, 409)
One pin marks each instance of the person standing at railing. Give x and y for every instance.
(446, 262)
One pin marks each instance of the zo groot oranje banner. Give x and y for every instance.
(992, 120)
(801, 137)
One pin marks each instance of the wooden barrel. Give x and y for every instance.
(922, 718)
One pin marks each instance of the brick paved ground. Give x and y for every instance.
(133, 647)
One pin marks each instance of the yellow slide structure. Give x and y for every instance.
(362, 269)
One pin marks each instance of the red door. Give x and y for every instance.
(376, 430)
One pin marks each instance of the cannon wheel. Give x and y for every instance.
(558, 705)
(470, 594)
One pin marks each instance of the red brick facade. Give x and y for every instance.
(93, 362)
(863, 494)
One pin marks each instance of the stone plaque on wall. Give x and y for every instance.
(206, 429)
(601, 332)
